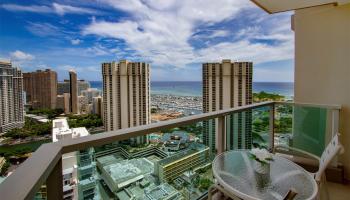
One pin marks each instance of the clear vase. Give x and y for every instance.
(261, 168)
(262, 174)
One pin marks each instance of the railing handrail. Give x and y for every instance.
(327, 106)
(70, 145)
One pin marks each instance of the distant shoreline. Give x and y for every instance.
(194, 88)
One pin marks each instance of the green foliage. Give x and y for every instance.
(87, 121)
(5, 168)
(50, 113)
(30, 128)
(284, 125)
(154, 110)
(264, 96)
(21, 149)
(197, 129)
(204, 184)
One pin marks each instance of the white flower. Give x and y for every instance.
(261, 154)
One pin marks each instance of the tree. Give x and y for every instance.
(204, 184)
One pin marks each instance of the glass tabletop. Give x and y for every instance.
(237, 173)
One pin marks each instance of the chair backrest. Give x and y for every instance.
(328, 154)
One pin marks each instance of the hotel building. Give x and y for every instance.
(41, 88)
(126, 95)
(11, 97)
(227, 85)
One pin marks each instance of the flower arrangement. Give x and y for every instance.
(261, 155)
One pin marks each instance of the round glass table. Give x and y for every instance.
(234, 171)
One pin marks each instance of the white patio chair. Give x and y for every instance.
(332, 149)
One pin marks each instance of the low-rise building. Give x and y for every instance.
(119, 173)
(61, 130)
(174, 166)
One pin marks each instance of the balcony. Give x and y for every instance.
(153, 171)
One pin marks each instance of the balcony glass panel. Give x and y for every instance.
(304, 127)
(248, 129)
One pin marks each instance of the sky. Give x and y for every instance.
(174, 36)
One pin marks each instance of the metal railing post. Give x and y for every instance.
(272, 126)
(54, 183)
(335, 122)
(221, 134)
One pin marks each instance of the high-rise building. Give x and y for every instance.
(227, 85)
(73, 91)
(83, 85)
(63, 102)
(41, 88)
(97, 105)
(90, 93)
(126, 95)
(11, 97)
(83, 105)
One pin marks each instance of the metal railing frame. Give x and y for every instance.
(45, 164)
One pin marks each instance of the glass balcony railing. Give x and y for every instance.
(175, 163)
(305, 127)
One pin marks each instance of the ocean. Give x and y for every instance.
(194, 88)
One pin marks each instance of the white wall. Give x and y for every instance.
(322, 63)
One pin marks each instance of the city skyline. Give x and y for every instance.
(39, 34)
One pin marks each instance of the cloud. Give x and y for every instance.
(21, 56)
(75, 41)
(32, 8)
(44, 29)
(97, 50)
(55, 8)
(161, 31)
(64, 9)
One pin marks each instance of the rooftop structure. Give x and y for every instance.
(61, 130)
(38, 118)
(163, 192)
(118, 174)
(175, 141)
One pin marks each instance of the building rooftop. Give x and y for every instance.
(193, 148)
(61, 130)
(163, 191)
(120, 173)
(38, 118)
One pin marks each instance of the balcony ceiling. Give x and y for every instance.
(275, 6)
